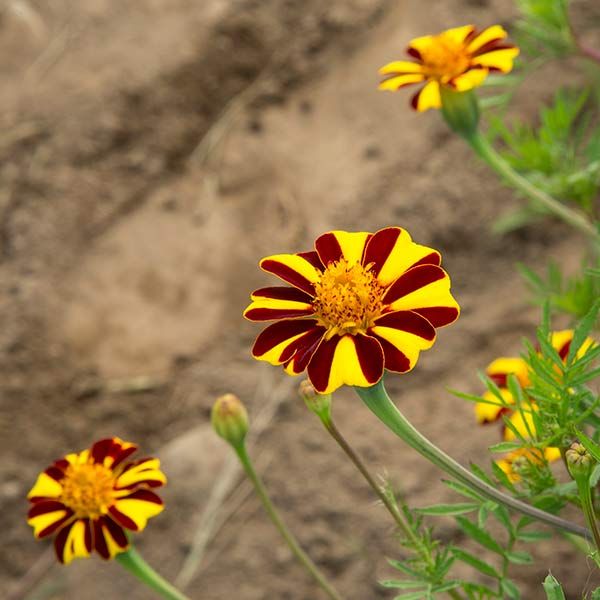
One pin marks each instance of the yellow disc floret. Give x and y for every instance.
(347, 298)
(445, 58)
(88, 489)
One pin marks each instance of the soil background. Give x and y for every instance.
(150, 154)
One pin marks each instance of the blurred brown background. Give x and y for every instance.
(151, 153)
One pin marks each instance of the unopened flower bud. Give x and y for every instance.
(230, 419)
(460, 110)
(320, 404)
(579, 461)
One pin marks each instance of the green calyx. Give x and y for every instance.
(460, 110)
(230, 419)
(579, 462)
(319, 404)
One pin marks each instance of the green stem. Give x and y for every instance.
(132, 560)
(280, 525)
(585, 495)
(485, 150)
(378, 401)
(392, 508)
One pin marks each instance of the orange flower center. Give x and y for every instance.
(88, 490)
(444, 58)
(347, 298)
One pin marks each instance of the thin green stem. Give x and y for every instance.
(132, 560)
(574, 218)
(392, 508)
(280, 525)
(378, 401)
(585, 495)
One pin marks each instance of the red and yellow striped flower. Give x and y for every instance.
(88, 499)
(459, 59)
(359, 303)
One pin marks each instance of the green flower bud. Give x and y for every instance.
(230, 419)
(579, 461)
(320, 404)
(460, 110)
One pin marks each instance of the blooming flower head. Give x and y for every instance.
(358, 303)
(88, 499)
(458, 59)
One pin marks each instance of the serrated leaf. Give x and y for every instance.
(448, 509)
(479, 535)
(475, 562)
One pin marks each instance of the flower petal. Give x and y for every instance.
(561, 342)
(73, 541)
(47, 516)
(488, 413)
(499, 370)
(334, 245)
(143, 472)
(109, 538)
(45, 486)
(427, 97)
(401, 67)
(498, 60)
(134, 511)
(111, 451)
(346, 360)
(403, 335)
(395, 82)
(424, 289)
(273, 341)
(272, 303)
(392, 252)
(293, 269)
(459, 34)
(469, 80)
(495, 33)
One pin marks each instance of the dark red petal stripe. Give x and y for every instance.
(434, 258)
(414, 101)
(279, 332)
(273, 314)
(146, 496)
(319, 366)
(313, 258)
(116, 532)
(328, 248)
(380, 247)
(414, 53)
(406, 320)
(60, 540)
(303, 349)
(439, 316)
(492, 46)
(100, 544)
(395, 360)
(145, 482)
(370, 357)
(287, 274)
(109, 447)
(563, 351)
(283, 293)
(122, 519)
(414, 279)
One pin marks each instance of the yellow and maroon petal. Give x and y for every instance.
(74, 541)
(499, 370)
(278, 342)
(111, 451)
(271, 303)
(109, 538)
(346, 360)
(47, 485)
(424, 289)
(499, 59)
(490, 412)
(402, 335)
(401, 67)
(143, 472)
(391, 251)
(427, 97)
(47, 516)
(469, 80)
(295, 269)
(395, 82)
(312, 256)
(133, 511)
(335, 245)
(297, 355)
(490, 35)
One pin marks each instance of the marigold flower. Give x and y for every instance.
(360, 302)
(88, 499)
(459, 59)
(512, 463)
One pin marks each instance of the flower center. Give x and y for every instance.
(88, 489)
(347, 298)
(445, 58)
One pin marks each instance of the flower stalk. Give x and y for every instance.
(132, 561)
(378, 401)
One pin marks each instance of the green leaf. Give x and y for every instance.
(401, 585)
(533, 536)
(481, 474)
(475, 562)
(519, 558)
(505, 446)
(510, 589)
(583, 331)
(553, 589)
(479, 535)
(589, 445)
(412, 596)
(448, 509)
(462, 489)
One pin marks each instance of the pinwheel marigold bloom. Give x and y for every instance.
(459, 59)
(358, 303)
(88, 499)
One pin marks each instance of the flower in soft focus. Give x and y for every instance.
(88, 499)
(359, 303)
(458, 59)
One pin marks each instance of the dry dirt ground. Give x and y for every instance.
(151, 153)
